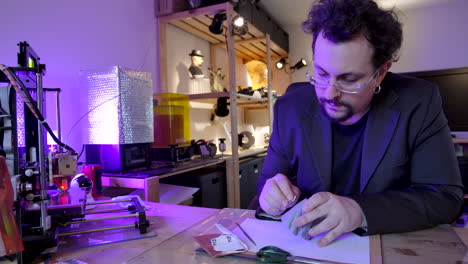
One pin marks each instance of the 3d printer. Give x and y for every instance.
(48, 191)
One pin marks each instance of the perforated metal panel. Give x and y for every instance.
(120, 104)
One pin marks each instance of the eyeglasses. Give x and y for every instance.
(342, 86)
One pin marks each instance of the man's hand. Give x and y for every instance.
(278, 194)
(341, 215)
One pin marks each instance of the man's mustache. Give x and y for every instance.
(333, 101)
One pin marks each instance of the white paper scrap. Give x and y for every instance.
(227, 243)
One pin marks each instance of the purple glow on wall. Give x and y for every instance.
(80, 35)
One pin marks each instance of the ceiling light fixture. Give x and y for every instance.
(300, 64)
(216, 26)
(239, 25)
(280, 64)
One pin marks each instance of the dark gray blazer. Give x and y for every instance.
(409, 174)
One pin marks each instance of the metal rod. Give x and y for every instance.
(105, 211)
(95, 230)
(42, 176)
(57, 110)
(313, 261)
(270, 84)
(101, 218)
(108, 202)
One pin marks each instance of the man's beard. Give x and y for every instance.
(348, 112)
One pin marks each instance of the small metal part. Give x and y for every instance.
(29, 172)
(100, 218)
(29, 197)
(245, 233)
(106, 211)
(222, 145)
(108, 202)
(95, 230)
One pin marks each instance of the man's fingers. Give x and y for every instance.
(272, 199)
(285, 186)
(277, 193)
(316, 200)
(329, 237)
(323, 225)
(297, 194)
(308, 217)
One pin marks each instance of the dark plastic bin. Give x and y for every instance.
(212, 184)
(463, 165)
(249, 171)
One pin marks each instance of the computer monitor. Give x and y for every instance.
(453, 87)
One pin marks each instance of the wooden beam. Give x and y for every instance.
(243, 41)
(209, 10)
(195, 31)
(270, 82)
(235, 188)
(162, 58)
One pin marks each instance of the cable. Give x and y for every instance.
(92, 109)
(81, 153)
(26, 96)
(147, 49)
(39, 115)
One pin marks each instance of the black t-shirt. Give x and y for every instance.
(347, 152)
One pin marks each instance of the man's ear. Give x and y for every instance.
(383, 71)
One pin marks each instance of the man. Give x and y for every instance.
(368, 148)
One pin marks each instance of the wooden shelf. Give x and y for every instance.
(251, 46)
(251, 152)
(211, 98)
(247, 152)
(460, 140)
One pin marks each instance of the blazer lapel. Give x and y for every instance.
(379, 131)
(318, 137)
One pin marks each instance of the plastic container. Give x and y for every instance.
(171, 120)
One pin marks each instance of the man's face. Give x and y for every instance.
(350, 61)
(197, 60)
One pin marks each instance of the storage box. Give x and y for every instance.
(212, 184)
(249, 171)
(120, 105)
(171, 120)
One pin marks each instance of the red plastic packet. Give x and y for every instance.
(9, 235)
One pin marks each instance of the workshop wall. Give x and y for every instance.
(434, 37)
(73, 35)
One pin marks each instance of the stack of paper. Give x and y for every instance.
(348, 248)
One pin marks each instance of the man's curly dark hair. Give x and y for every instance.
(342, 20)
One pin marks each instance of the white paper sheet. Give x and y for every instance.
(348, 248)
(174, 194)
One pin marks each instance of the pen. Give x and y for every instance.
(245, 233)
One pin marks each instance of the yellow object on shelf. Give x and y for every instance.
(171, 120)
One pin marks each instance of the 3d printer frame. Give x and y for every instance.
(29, 162)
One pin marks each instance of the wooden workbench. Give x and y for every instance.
(176, 225)
(166, 222)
